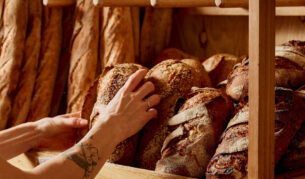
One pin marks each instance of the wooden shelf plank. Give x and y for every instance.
(216, 11)
(58, 2)
(261, 89)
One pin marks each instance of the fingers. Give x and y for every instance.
(72, 122)
(153, 100)
(152, 113)
(145, 90)
(76, 114)
(134, 80)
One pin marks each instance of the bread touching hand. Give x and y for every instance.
(131, 108)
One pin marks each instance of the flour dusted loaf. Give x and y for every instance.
(231, 157)
(288, 74)
(294, 158)
(194, 132)
(101, 93)
(219, 66)
(173, 80)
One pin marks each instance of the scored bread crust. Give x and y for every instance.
(202, 119)
(173, 80)
(231, 157)
(288, 74)
(172, 53)
(101, 93)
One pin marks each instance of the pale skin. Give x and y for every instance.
(125, 115)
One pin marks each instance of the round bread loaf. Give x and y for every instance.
(101, 93)
(288, 74)
(173, 80)
(194, 132)
(231, 157)
(219, 66)
(172, 53)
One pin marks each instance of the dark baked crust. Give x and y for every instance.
(188, 154)
(172, 53)
(288, 74)
(101, 93)
(230, 159)
(173, 80)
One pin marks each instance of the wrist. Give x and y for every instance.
(38, 131)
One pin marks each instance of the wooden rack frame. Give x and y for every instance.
(261, 73)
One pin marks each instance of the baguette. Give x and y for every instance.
(194, 133)
(48, 64)
(27, 76)
(231, 157)
(116, 38)
(84, 53)
(155, 33)
(14, 31)
(173, 80)
(59, 101)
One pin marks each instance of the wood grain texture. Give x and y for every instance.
(30, 62)
(58, 2)
(261, 89)
(14, 32)
(182, 3)
(121, 3)
(155, 33)
(84, 53)
(59, 95)
(116, 37)
(246, 3)
(48, 64)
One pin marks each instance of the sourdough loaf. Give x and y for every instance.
(29, 65)
(172, 53)
(219, 66)
(294, 158)
(173, 80)
(14, 20)
(101, 93)
(48, 63)
(84, 53)
(194, 132)
(287, 74)
(231, 157)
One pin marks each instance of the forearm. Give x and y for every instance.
(17, 140)
(85, 159)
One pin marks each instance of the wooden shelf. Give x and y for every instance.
(216, 11)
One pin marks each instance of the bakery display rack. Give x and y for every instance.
(269, 22)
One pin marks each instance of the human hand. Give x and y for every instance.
(59, 133)
(131, 108)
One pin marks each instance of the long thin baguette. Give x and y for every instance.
(1, 23)
(84, 54)
(64, 63)
(27, 75)
(14, 30)
(116, 40)
(135, 16)
(47, 68)
(155, 33)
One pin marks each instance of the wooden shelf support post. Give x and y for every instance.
(261, 89)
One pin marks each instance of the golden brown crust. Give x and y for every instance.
(84, 53)
(14, 32)
(48, 64)
(230, 159)
(27, 77)
(116, 37)
(101, 93)
(155, 33)
(172, 53)
(59, 96)
(219, 66)
(188, 154)
(288, 74)
(173, 80)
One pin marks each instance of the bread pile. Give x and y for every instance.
(201, 130)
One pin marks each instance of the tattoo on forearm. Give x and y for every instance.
(86, 159)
